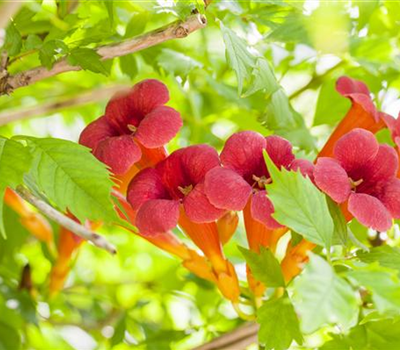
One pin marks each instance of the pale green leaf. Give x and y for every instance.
(299, 205)
(263, 79)
(87, 59)
(321, 297)
(279, 325)
(238, 56)
(264, 267)
(71, 177)
(386, 256)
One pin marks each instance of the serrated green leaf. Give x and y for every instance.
(50, 51)
(33, 42)
(13, 40)
(264, 267)
(386, 256)
(279, 324)
(384, 284)
(15, 161)
(340, 232)
(263, 79)
(71, 177)
(237, 55)
(321, 297)
(299, 205)
(177, 63)
(87, 59)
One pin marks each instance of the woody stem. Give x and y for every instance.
(64, 221)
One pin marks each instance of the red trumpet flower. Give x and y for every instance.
(244, 175)
(134, 124)
(364, 174)
(362, 114)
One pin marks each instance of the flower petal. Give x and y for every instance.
(226, 189)
(393, 124)
(198, 208)
(120, 153)
(144, 186)
(332, 179)
(305, 166)
(370, 211)
(359, 93)
(390, 197)
(130, 107)
(243, 152)
(262, 209)
(187, 166)
(157, 216)
(355, 149)
(95, 132)
(158, 127)
(280, 151)
(149, 94)
(382, 168)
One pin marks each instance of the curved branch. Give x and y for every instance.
(238, 339)
(9, 116)
(175, 30)
(79, 230)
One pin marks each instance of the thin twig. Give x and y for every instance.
(107, 92)
(51, 213)
(175, 30)
(238, 339)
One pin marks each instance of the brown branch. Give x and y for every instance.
(62, 220)
(7, 10)
(175, 30)
(51, 107)
(238, 339)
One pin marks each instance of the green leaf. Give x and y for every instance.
(263, 79)
(279, 325)
(237, 55)
(384, 284)
(109, 4)
(13, 41)
(177, 63)
(15, 161)
(321, 297)
(128, 65)
(33, 42)
(137, 24)
(387, 256)
(340, 235)
(87, 59)
(71, 177)
(299, 205)
(331, 106)
(51, 51)
(264, 267)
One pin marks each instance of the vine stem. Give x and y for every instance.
(81, 231)
(174, 30)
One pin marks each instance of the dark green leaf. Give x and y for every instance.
(264, 267)
(33, 42)
(340, 235)
(299, 205)
(109, 4)
(15, 161)
(128, 65)
(87, 59)
(279, 325)
(321, 297)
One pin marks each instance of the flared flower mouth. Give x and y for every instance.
(133, 120)
(244, 174)
(363, 173)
